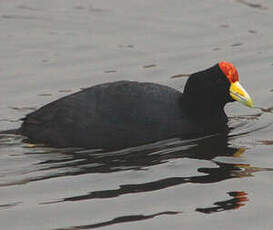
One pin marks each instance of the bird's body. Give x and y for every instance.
(110, 115)
(128, 113)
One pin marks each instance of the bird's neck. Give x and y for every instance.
(201, 97)
(204, 107)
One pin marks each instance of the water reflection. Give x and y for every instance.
(224, 171)
(122, 219)
(253, 5)
(238, 200)
(146, 156)
(69, 162)
(137, 158)
(9, 205)
(42, 163)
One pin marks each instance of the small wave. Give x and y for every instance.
(251, 123)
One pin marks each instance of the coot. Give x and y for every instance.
(128, 113)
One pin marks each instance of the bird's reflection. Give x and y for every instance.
(140, 158)
(222, 172)
(56, 163)
(238, 200)
(119, 220)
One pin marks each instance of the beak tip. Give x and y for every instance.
(238, 93)
(249, 102)
(251, 105)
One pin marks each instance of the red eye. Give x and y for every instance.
(229, 70)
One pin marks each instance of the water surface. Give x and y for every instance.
(53, 48)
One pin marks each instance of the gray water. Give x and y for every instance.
(52, 48)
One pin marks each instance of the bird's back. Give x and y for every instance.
(110, 115)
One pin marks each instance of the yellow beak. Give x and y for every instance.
(238, 93)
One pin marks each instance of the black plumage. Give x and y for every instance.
(128, 113)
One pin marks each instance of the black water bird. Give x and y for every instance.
(128, 113)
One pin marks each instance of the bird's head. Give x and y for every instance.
(217, 85)
(236, 91)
